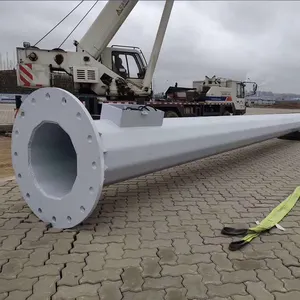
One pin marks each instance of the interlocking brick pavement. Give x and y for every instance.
(158, 237)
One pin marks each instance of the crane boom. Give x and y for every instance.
(106, 25)
(115, 72)
(158, 43)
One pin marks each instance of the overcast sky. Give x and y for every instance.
(239, 39)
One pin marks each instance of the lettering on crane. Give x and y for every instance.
(122, 6)
(225, 93)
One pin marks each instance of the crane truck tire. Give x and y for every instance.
(171, 114)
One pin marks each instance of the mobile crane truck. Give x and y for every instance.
(210, 97)
(119, 74)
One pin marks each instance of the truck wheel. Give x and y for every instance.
(171, 114)
(226, 113)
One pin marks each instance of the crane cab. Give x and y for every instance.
(126, 61)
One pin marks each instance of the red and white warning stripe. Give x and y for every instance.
(26, 76)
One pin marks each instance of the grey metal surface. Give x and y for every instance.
(63, 157)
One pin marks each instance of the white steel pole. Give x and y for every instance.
(62, 158)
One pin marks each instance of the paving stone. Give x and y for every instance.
(110, 274)
(194, 238)
(14, 232)
(108, 239)
(62, 247)
(147, 234)
(162, 282)
(258, 291)
(89, 248)
(95, 261)
(287, 258)
(44, 288)
(71, 292)
(132, 242)
(257, 254)
(181, 246)
(156, 244)
(144, 295)
(279, 269)
(191, 259)
(35, 244)
(12, 268)
(272, 283)
(110, 290)
(50, 270)
(11, 242)
(206, 248)
(238, 276)
(88, 298)
(161, 226)
(34, 234)
(239, 297)
(122, 263)
(38, 257)
(14, 254)
(167, 256)
(194, 286)
(132, 279)
(291, 284)
(170, 235)
(222, 262)
(20, 284)
(293, 295)
(295, 271)
(209, 273)
(18, 295)
(66, 258)
(226, 290)
(126, 231)
(71, 274)
(151, 267)
(178, 270)
(140, 253)
(175, 294)
(249, 264)
(102, 230)
(139, 224)
(83, 237)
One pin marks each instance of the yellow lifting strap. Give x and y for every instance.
(271, 220)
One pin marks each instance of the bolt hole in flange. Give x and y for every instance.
(69, 219)
(40, 210)
(54, 219)
(82, 209)
(33, 101)
(47, 96)
(22, 114)
(64, 101)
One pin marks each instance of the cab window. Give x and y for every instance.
(240, 90)
(126, 65)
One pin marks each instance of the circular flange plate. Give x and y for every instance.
(56, 192)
